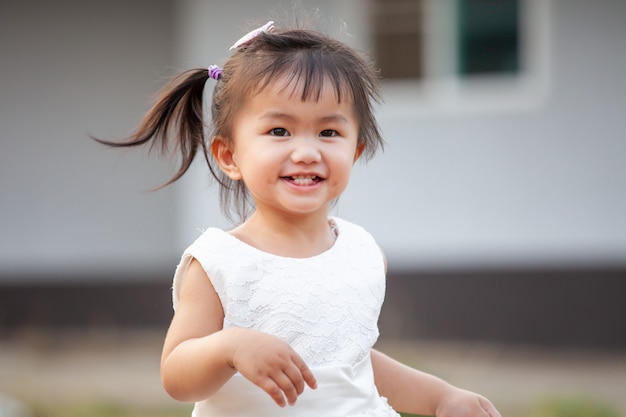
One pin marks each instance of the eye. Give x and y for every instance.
(328, 133)
(279, 131)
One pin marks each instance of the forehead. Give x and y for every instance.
(294, 92)
(282, 99)
(311, 86)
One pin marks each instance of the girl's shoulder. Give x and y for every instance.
(212, 246)
(356, 240)
(214, 243)
(342, 226)
(209, 236)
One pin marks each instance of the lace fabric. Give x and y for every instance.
(326, 307)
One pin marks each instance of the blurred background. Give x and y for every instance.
(500, 199)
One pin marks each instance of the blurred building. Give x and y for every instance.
(500, 200)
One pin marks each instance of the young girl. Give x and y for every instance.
(278, 316)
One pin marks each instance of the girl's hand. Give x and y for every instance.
(462, 403)
(272, 365)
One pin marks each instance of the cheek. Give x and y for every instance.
(343, 167)
(257, 163)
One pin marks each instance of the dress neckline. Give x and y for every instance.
(334, 228)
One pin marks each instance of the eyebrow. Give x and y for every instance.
(335, 117)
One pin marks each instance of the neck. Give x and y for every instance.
(297, 237)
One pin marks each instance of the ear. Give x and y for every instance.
(359, 150)
(224, 156)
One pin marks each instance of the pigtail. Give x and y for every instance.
(176, 119)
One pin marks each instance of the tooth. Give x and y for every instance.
(303, 179)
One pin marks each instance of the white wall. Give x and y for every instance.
(70, 68)
(543, 184)
(537, 179)
(539, 184)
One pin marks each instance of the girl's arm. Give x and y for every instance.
(411, 391)
(199, 357)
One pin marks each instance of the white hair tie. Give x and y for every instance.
(266, 28)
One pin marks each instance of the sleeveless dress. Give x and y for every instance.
(326, 307)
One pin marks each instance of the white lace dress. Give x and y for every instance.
(326, 307)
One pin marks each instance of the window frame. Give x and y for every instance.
(443, 90)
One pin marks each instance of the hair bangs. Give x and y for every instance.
(305, 73)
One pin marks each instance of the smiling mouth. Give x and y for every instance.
(304, 179)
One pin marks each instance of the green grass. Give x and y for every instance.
(575, 406)
(104, 409)
(561, 406)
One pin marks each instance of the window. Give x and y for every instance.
(488, 36)
(398, 39)
(462, 50)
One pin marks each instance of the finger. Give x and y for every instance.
(288, 388)
(295, 376)
(309, 378)
(489, 408)
(274, 391)
(305, 372)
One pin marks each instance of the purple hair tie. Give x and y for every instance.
(215, 72)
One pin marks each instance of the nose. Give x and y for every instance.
(306, 150)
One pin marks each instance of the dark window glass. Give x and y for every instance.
(398, 38)
(488, 36)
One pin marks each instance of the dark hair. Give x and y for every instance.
(305, 58)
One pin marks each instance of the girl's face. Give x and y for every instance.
(294, 156)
